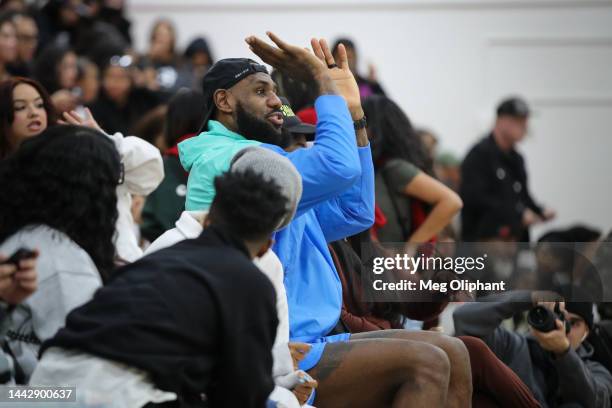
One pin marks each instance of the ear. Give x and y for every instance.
(586, 333)
(224, 101)
(264, 248)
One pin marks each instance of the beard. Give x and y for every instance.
(254, 128)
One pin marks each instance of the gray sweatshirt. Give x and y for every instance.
(571, 378)
(67, 278)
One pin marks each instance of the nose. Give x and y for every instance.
(274, 101)
(32, 112)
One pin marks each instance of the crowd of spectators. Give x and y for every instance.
(177, 231)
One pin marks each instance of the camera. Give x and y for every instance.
(543, 319)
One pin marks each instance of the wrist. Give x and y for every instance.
(356, 113)
(562, 350)
(325, 83)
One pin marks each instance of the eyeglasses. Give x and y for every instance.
(123, 61)
(121, 174)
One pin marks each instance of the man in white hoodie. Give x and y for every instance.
(190, 225)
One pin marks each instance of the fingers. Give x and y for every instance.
(88, 114)
(265, 51)
(29, 263)
(329, 58)
(27, 279)
(303, 347)
(72, 117)
(342, 60)
(549, 305)
(7, 270)
(316, 48)
(280, 43)
(6, 273)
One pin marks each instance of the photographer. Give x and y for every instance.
(556, 365)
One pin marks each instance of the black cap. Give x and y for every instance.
(223, 75)
(516, 107)
(293, 123)
(578, 301)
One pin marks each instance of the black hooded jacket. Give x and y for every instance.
(198, 316)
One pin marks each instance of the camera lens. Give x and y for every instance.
(541, 319)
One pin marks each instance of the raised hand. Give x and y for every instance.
(341, 74)
(17, 282)
(296, 61)
(73, 118)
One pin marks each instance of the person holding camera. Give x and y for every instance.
(553, 360)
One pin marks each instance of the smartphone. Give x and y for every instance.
(18, 256)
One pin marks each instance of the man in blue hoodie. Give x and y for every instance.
(337, 201)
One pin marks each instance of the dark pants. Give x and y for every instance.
(495, 384)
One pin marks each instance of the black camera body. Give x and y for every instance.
(543, 319)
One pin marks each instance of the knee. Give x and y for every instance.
(433, 366)
(455, 348)
(475, 346)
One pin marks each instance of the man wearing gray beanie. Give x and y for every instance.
(279, 169)
(273, 167)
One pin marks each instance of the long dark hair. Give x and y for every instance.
(7, 111)
(392, 134)
(64, 178)
(46, 66)
(184, 116)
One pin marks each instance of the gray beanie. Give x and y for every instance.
(272, 166)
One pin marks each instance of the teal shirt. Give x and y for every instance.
(206, 156)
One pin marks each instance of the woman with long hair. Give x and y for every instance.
(415, 205)
(58, 197)
(57, 70)
(25, 111)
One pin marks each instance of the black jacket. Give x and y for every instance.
(572, 378)
(494, 193)
(199, 317)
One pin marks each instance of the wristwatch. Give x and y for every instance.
(361, 123)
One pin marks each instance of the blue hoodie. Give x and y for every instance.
(337, 201)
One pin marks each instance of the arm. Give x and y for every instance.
(586, 383)
(352, 211)
(247, 359)
(271, 266)
(531, 203)
(70, 284)
(481, 318)
(446, 203)
(331, 165)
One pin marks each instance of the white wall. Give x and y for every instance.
(449, 62)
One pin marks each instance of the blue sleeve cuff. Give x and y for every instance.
(331, 103)
(364, 151)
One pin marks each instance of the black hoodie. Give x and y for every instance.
(198, 316)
